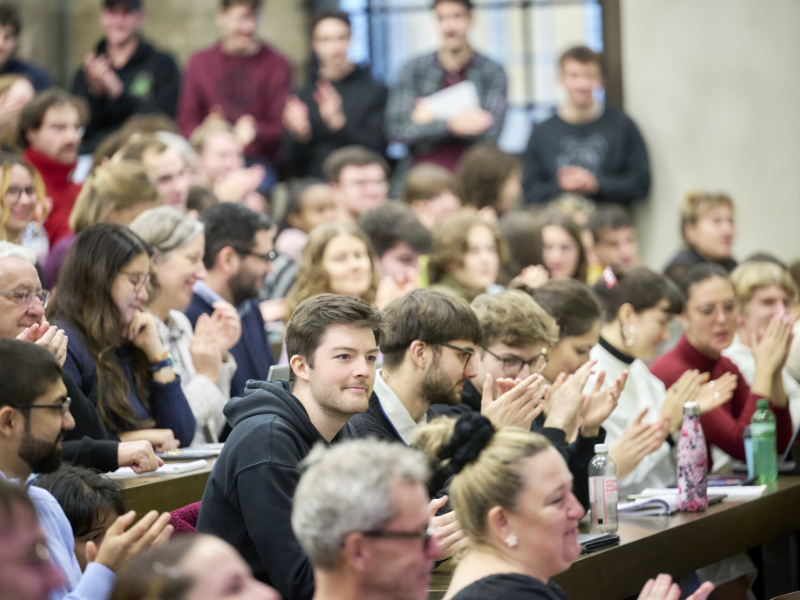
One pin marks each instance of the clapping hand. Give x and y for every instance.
(716, 393)
(599, 403)
(227, 325)
(152, 531)
(518, 402)
(448, 534)
(205, 350)
(295, 119)
(636, 442)
(662, 588)
(772, 347)
(566, 400)
(49, 336)
(686, 389)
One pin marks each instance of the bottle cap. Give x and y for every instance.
(762, 404)
(692, 409)
(601, 448)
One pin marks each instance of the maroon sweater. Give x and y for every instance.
(60, 188)
(723, 426)
(254, 85)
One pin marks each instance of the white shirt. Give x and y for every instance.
(396, 412)
(642, 390)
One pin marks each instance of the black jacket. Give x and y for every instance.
(151, 80)
(364, 105)
(248, 498)
(89, 444)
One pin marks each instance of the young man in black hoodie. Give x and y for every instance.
(342, 106)
(124, 75)
(332, 342)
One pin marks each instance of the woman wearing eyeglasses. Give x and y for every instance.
(202, 358)
(512, 494)
(709, 321)
(115, 353)
(22, 202)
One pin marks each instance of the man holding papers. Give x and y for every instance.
(480, 100)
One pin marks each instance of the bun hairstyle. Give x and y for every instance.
(486, 464)
(640, 287)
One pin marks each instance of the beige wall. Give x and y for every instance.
(714, 85)
(177, 26)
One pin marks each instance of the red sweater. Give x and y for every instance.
(60, 188)
(723, 426)
(254, 85)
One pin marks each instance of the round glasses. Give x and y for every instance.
(512, 365)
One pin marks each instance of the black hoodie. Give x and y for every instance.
(248, 498)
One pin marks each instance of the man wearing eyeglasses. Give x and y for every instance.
(22, 306)
(238, 257)
(360, 513)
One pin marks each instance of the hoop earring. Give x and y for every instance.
(628, 335)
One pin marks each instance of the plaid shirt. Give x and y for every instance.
(425, 75)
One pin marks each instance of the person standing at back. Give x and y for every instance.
(10, 28)
(409, 119)
(587, 148)
(239, 79)
(125, 75)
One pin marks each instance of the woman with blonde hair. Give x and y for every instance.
(22, 201)
(115, 193)
(512, 493)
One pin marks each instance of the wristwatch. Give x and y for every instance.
(155, 367)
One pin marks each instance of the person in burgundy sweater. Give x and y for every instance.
(240, 79)
(709, 323)
(51, 126)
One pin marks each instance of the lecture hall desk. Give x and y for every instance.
(166, 493)
(682, 543)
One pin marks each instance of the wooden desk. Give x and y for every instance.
(166, 493)
(678, 544)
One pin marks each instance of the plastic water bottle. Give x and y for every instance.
(603, 491)
(765, 448)
(692, 462)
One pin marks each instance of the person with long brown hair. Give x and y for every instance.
(115, 354)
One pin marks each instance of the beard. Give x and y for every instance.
(437, 389)
(40, 456)
(332, 401)
(244, 286)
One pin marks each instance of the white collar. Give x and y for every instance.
(393, 408)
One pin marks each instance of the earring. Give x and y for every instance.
(628, 335)
(512, 541)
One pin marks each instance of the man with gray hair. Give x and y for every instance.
(361, 515)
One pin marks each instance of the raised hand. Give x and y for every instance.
(330, 105)
(518, 403)
(599, 403)
(227, 325)
(152, 531)
(295, 119)
(772, 348)
(636, 442)
(449, 536)
(237, 185)
(245, 129)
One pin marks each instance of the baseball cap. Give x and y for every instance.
(131, 4)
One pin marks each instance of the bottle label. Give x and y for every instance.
(762, 430)
(603, 498)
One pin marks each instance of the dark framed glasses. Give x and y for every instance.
(468, 351)
(513, 365)
(63, 407)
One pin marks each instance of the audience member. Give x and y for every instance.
(15, 92)
(239, 79)
(587, 147)
(615, 239)
(201, 357)
(466, 256)
(310, 204)
(342, 105)
(517, 335)
(115, 354)
(490, 180)
(26, 572)
(398, 238)
(360, 513)
(766, 292)
(338, 259)
(511, 491)
(90, 502)
(196, 567)
(238, 256)
(563, 253)
(166, 167)
(220, 166)
(124, 75)
(51, 127)
(30, 443)
(10, 28)
(708, 230)
(22, 199)
(115, 193)
(432, 192)
(358, 180)
(524, 268)
(409, 118)
(709, 323)
(332, 342)
(22, 317)
(578, 316)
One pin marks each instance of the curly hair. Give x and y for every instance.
(312, 279)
